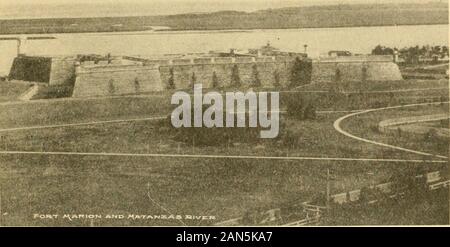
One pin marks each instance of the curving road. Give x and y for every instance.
(82, 124)
(337, 126)
(241, 157)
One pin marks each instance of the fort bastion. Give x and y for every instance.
(94, 75)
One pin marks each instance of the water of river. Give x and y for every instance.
(319, 41)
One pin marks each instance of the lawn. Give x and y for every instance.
(119, 185)
(223, 188)
(10, 91)
(376, 85)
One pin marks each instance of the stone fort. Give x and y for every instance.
(94, 75)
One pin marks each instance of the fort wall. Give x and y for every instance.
(51, 70)
(184, 71)
(355, 68)
(384, 72)
(62, 71)
(126, 76)
(157, 75)
(110, 79)
(35, 69)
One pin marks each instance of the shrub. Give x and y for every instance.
(111, 88)
(215, 136)
(301, 106)
(171, 81)
(137, 86)
(338, 75)
(431, 135)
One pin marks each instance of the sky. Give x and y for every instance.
(13, 9)
(193, 1)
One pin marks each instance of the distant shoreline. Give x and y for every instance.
(295, 28)
(332, 16)
(223, 30)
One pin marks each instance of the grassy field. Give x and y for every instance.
(356, 96)
(71, 110)
(223, 188)
(377, 85)
(314, 138)
(10, 91)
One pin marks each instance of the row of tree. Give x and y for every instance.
(413, 54)
(300, 74)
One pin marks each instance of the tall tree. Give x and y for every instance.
(338, 75)
(235, 78)
(137, 86)
(296, 74)
(171, 82)
(215, 80)
(111, 88)
(256, 81)
(364, 74)
(193, 80)
(276, 78)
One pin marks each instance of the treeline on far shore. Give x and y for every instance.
(416, 54)
(283, 18)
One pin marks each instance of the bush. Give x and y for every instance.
(310, 111)
(431, 135)
(301, 107)
(215, 136)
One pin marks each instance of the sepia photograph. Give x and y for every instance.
(224, 113)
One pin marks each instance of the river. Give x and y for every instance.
(319, 41)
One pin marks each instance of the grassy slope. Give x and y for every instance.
(11, 91)
(378, 85)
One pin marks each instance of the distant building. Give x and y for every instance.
(339, 53)
(232, 53)
(269, 50)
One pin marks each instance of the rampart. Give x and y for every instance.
(157, 75)
(355, 68)
(267, 71)
(35, 69)
(62, 71)
(116, 79)
(51, 70)
(129, 75)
